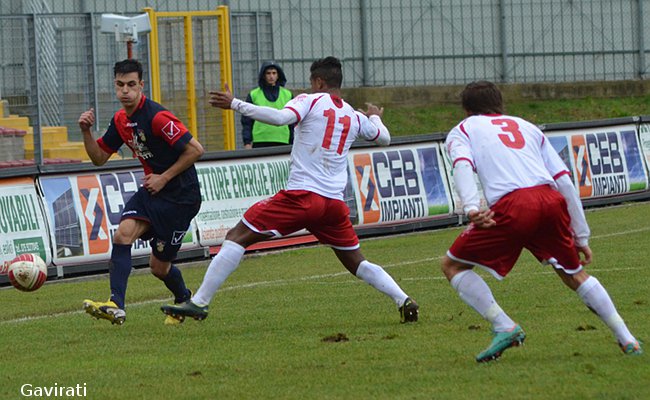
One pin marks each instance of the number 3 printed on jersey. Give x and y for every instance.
(513, 137)
(329, 130)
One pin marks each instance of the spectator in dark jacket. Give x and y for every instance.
(270, 93)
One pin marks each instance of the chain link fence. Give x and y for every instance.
(55, 64)
(173, 72)
(448, 42)
(56, 67)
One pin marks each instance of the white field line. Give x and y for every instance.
(622, 233)
(280, 282)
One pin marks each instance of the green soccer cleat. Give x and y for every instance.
(105, 310)
(177, 319)
(632, 349)
(408, 312)
(187, 309)
(501, 342)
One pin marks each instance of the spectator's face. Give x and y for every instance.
(271, 76)
(128, 89)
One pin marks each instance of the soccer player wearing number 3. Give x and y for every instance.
(532, 204)
(326, 128)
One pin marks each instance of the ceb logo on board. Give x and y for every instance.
(581, 159)
(92, 203)
(365, 178)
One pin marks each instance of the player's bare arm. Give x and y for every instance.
(374, 114)
(96, 154)
(221, 99)
(154, 183)
(482, 219)
(372, 110)
(585, 252)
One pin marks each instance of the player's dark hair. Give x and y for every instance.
(127, 66)
(482, 97)
(329, 70)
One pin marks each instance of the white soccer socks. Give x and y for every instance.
(473, 290)
(375, 276)
(220, 268)
(594, 295)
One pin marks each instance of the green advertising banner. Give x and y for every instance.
(229, 188)
(22, 224)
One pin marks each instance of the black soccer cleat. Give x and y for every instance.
(187, 309)
(409, 311)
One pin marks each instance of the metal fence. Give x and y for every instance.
(55, 63)
(389, 43)
(54, 67)
(173, 71)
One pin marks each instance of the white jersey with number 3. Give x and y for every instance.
(507, 153)
(326, 128)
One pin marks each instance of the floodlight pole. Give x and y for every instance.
(132, 38)
(125, 28)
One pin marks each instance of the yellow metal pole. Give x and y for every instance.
(189, 76)
(226, 74)
(154, 55)
(225, 64)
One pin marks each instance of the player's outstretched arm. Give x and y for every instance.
(221, 99)
(96, 154)
(372, 110)
(374, 114)
(267, 115)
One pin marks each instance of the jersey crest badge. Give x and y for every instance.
(160, 246)
(177, 237)
(171, 129)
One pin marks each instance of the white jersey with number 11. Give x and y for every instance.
(327, 126)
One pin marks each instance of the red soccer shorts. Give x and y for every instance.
(289, 211)
(534, 218)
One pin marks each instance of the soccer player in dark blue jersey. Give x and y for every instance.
(163, 207)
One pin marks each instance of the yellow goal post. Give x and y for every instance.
(195, 104)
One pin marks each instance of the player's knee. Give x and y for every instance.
(159, 270)
(156, 272)
(573, 281)
(244, 236)
(445, 264)
(237, 232)
(231, 235)
(449, 267)
(119, 237)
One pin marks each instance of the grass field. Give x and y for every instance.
(440, 118)
(278, 330)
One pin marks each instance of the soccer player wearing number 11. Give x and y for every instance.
(326, 128)
(532, 204)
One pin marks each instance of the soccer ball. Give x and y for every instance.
(27, 272)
